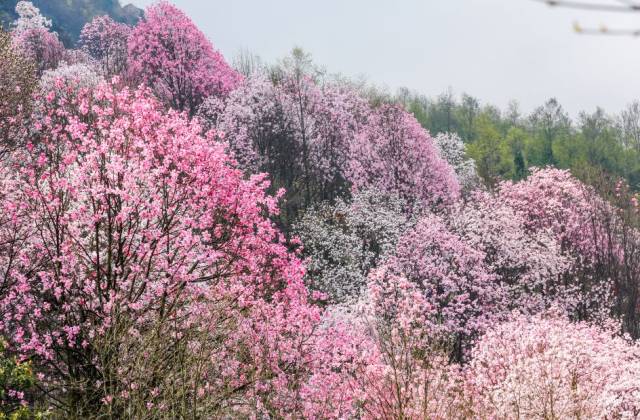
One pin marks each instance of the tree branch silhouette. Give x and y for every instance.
(625, 6)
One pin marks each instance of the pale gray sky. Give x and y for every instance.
(496, 50)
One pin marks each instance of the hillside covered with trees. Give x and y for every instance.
(181, 237)
(69, 16)
(506, 143)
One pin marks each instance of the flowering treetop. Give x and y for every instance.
(31, 36)
(394, 154)
(106, 41)
(547, 364)
(171, 55)
(119, 216)
(29, 17)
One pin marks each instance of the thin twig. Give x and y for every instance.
(603, 30)
(626, 7)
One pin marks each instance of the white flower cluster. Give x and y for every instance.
(29, 17)
(345, 241)
(452, 150)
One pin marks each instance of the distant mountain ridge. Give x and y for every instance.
(69, 16)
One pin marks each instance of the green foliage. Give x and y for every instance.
(505, 144)
(69, 16)
(516, 141)
(489, 151)
(16, 377)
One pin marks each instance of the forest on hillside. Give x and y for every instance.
(183, 236)
(506, 143)
(69, 16)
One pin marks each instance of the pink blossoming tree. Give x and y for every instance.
(296, 130)
(168, 53)
(453, 280)
(394, 154)
(142, 269)
(105, 41)
(528, 264)
(546, 366)
(600, 234)
(401, 368)
(31, 35)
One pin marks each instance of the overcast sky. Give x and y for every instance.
(495, 50)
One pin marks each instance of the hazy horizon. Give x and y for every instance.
(495, 50)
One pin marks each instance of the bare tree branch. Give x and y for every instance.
(618, 6)
(604, 30)
(628, 2)
(626, 6)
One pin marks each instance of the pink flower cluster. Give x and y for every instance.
(106, 41)
(548, 367)
(394, 154)
(117, 212)
(320, 140)
(171, 55)
(143, 270)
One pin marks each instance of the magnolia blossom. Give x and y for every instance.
(529, 264)
(172, 56)
(400, 369)
(211, 246)
(453, 279)
(394, 154)
(105, 41)
(344, 242)
(554, 199)
(121, 225)
(587, 228)
(547, 367)
(296, 130)
(451, 149)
